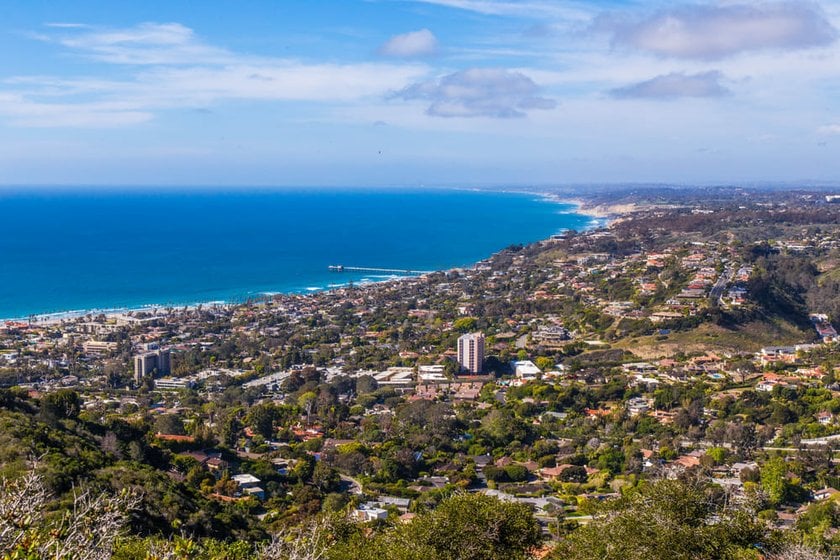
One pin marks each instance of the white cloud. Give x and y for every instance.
(479, 92)
(675, 85)
(530, 9)
(66, 25)
(101, 114)
(829, 129)
(412, 44)
(280, 80)
(147, 43)
(177, 70)
(716, 31)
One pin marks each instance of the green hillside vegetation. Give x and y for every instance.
(75, 453)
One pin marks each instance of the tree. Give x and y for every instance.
(503, 427)
(774, 480)
(717, 454)
(544, 363)
(87, 529)
(463, 527)
(796, 552)
(575, 473)
(310, 543)
(229, 429)
(818, 522)
(465, 324)
(61, 404)
(744, 439)
(516, 473)
(261, 419)
(169, 424)
(366, 384)
(307, 402)
(325, 478)
(667, 519)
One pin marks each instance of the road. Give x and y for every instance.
(720, 285)
(354, 487)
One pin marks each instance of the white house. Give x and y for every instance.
(526, 369)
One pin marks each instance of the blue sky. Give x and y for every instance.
(418, 92)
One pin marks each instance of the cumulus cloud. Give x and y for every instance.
(479, 92)
(717, 31)
(674, 85)
(412, 44)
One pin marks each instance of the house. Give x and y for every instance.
(216, 464)
(825, 494)
(255, 492)
(637, 406)
(825, 418)
(249, 485)
(687, 461)
(736, 468)
(551, 335)
(766, 386)
(551, 473)
(467, 391)
(399, 503)
(526, 370)
(772, 354)
(369, 512)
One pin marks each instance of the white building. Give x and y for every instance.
(526, 370)
(249, 485)
(173, 383)
(433, 373)
(471, 352)
(369, 512)
(395, 376)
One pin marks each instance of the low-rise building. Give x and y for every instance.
(526, 370)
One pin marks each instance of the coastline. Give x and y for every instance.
(605, 214)
(609, 213)
(602, 217)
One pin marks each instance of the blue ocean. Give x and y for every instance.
(81, 250)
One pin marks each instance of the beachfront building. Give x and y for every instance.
(471, 352)
(157, 362)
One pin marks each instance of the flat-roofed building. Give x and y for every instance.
(431, 373)
(98, 347)
(526, 369)
(471, 352)
(172, 383)
(149, 363)
(395, 376)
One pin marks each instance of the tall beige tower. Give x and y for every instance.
(471, 352)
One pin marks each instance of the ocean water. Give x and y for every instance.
(65, 251)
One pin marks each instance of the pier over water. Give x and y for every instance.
(342, 268)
